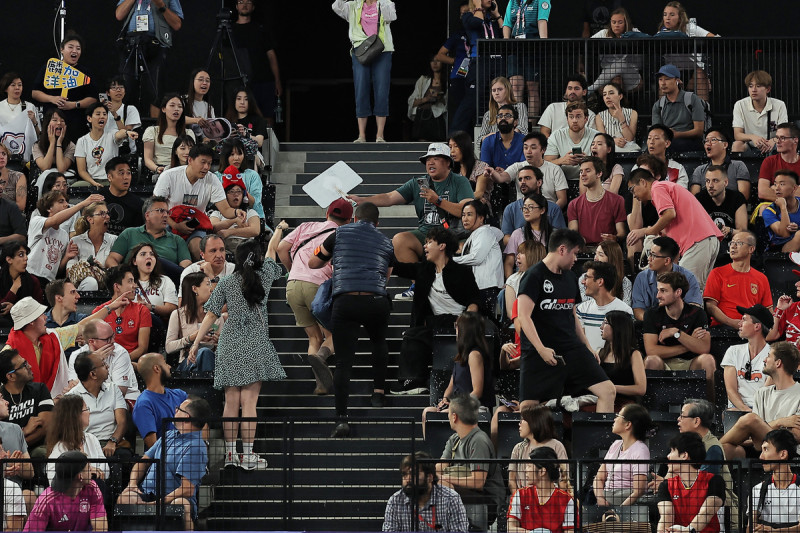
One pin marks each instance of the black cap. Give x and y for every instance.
(759, 312)
(65, 472)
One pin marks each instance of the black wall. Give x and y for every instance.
(312, 46)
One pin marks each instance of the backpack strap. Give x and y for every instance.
(310, 239)
(763, 494)
(687, 99)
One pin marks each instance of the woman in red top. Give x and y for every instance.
(542, 505)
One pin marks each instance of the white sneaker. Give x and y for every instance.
(232, 460)
(252, 461)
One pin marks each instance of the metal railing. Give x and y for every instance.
(715, 68)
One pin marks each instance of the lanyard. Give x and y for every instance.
(139, 6)
(488, 34)
(520, 22)
(432, 523)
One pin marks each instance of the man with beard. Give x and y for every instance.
(726, 207)
(529, 180)
(503, 148)
(439, 508)
(156, 401)
(554, 116)
(30, 403)
(124, 207)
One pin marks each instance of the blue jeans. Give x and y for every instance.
(204, 362)
(376, 75)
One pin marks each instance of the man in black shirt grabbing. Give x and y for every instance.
(548, 297)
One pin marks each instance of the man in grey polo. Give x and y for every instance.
(686, 122)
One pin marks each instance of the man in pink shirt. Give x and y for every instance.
(294, 251)
(680, 217)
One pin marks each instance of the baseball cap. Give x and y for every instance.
(340, 208)
(759, 312)
(670, 71)
(65, 472)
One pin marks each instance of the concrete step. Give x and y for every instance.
(347, 157)
(372, 166)
(420, 147)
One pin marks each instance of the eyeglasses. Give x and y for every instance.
(505, 115)
(159, 210)
(587, 276)
(100, 214)
(738, 243)
(783, 138)
(748, 371)
(620, 415)
(652, 255)
(25, 364)
(686, 416)
(86, 410)
(713, 140)
(184, 411)
(527, 208)
(106, 340)
(116, 88)
(103, 364)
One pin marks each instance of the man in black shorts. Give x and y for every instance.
(548, 297)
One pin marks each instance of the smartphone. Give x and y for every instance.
(103, 97)
(422, 181)
(214, 328)
(577, 150)
(507, 403)
(560, 359)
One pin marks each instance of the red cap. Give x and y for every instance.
(341, 208)
(232, 177)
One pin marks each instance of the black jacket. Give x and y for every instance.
(458, 281)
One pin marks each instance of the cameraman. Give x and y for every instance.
(142, 16)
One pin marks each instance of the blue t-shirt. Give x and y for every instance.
(526, 21)
(495, 154)
(513, 219)
(645, 288)
(151, 408)
(187, 457)
(142, 7)
(771, 215)
(72, 318)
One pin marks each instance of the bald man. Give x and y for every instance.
(156, 401)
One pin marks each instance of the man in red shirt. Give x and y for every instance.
(690, 499)
(131, 322)
(598, 215)
(787, 138)
(681, 217)
(787, 318)
(737, 284)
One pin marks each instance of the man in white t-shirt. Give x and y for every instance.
(599, 282)
(554, 116)
(743, 364)
(99, 337)
(774, 406)
(567, 147)
(776, 501)
(194, 185)
(554, 183)
(232, 229)
(756, 117)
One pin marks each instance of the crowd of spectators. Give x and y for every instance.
(535, 231)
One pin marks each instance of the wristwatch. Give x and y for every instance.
(113, 439)
(677, 334)
(162, 9)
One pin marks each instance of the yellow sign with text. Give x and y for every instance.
(59, 75)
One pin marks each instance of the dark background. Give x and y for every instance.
(312, 46)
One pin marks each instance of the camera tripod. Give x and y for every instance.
(140, 67)
(224, 36)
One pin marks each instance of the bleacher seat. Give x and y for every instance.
(778, 269)
(144, 518)
(591, 434)
(665, 427)
(437, 431)
(667, 389)
(730, 417)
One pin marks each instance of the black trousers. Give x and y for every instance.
(350, 312)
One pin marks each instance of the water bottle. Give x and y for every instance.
(691, 28)
(278, 111)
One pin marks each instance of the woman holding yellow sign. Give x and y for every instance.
(62, 86)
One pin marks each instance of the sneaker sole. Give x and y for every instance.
(417, 390)
(322, 372)
(401, 298)
(250, 468)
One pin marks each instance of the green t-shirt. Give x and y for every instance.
(454, 188)
(169, 246)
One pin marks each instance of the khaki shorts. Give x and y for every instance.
(677, 363)
(299, 295)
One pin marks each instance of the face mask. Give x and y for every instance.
(505, 127)
(415, 491)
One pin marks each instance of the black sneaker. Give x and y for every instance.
(378, 400)
(409, 386)
(341, 430)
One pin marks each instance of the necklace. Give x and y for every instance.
(602, 193)
(14, 107)
(15, 402)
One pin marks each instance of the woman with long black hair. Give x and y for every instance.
(621, 361)
(245, 355)
(15, 282)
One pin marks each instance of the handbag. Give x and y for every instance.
(322, 306)
(371, 48)
(86, 269)
(611, 523)
(162, 29)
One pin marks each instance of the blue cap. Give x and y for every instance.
(670, 71)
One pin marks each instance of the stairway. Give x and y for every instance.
(343, 480)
